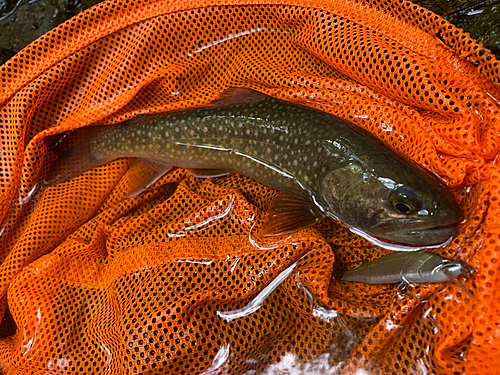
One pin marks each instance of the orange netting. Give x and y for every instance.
(97, 283)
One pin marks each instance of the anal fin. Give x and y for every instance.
(143, 173)
(290, 212)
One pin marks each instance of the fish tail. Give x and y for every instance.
(74, 154)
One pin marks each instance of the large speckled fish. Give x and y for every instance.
(321, 165)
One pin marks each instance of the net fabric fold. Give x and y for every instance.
(98, 283)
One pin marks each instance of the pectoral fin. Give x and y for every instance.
(290, 212)
(143, 173)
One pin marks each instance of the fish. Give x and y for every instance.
(321, 165)
(410, 267)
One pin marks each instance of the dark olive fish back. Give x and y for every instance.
(274, 133)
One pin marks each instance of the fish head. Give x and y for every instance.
(407, 206)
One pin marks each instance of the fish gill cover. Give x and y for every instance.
(173, 280)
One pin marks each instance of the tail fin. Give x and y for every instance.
(73, 153)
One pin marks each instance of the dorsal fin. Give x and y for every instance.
(238, 95)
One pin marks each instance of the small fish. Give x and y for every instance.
(322, 166)
(410, 267)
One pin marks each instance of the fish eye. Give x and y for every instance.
(402, 208)
(405, 200)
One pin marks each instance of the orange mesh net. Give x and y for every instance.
(93, 282)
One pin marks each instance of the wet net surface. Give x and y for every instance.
(166, 282)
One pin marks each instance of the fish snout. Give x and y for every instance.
(424, 237)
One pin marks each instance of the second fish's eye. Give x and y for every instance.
(405, 200)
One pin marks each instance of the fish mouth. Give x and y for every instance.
(421, 237)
